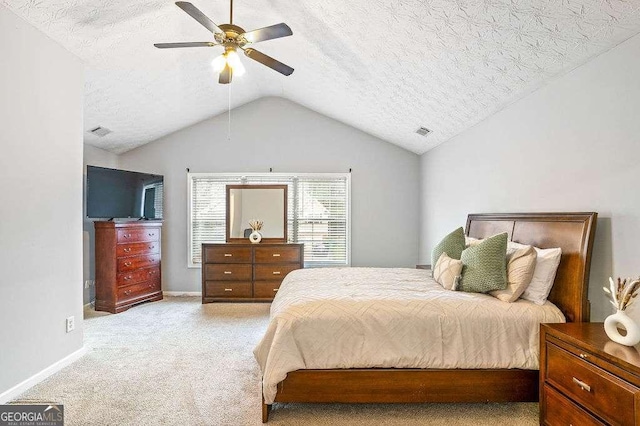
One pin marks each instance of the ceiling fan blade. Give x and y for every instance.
(267, 33)
(225, 75)
(196, 14)
(268, 61)
(185, 44)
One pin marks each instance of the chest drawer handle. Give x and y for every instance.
(228, 255)
(128, 277)
(227, 272)
(127, 250)
(582, 385)
(127, 292)
(127, 235)
(150, 247)
(151, 234)
(276, 255)
(127, 263)
(228, 289)
(275, 289)
(276, 272)
(152, 272)
(584, 356)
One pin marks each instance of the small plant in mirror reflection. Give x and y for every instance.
(622, 292)
(255, 224)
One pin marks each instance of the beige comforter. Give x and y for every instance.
(375, 317)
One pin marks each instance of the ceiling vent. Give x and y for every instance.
(423, 131)
(100, 131)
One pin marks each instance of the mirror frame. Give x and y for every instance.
(285, 188)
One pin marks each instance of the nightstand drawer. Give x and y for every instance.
(274, 272)
(229, 272)
(561, 411)
(606, 396)
(228, 289)
(280, 254)
(227, 254)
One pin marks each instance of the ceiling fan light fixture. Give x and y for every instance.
(235, 63)
(218, 63)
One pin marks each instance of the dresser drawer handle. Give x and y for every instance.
(228, 255)
(150, 247)
(228, 289)
(276, 255)
(150, 285)
(275, 289)
(276, 272)
(127, 235)
(584, 356)
(127, 263)
(151, 272)
(127, 249)
(582, 385)
(127, 292)
(151, 234)
(128, 277)
(227, 272)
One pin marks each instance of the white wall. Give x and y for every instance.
(41, 89)
(94, 157)
(274, 132)
(572, 146)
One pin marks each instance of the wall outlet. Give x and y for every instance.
(71, 324)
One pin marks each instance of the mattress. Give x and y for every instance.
(393, 318)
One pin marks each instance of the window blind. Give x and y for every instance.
(318, 213)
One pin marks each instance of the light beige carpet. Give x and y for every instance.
(177, 362)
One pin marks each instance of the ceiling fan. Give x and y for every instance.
(232, 38)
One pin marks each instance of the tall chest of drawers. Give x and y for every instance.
(587, 379)
(247, 272)
(128, 259)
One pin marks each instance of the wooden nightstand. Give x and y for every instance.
(585, 378)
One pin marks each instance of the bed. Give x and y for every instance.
(573, 232)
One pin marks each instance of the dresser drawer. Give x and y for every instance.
(227, 254)
(273, 272)
(277, 254)
(131, 249)
(606, 396)
(136, 262)
(137, 276)
(562, 412)
(228, 272)
(265, 289)
(138, 235)
(228, 289)
(138, 290)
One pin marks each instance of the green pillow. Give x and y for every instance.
(452, 244)
(484, 266)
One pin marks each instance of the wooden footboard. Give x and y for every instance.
(406, 385)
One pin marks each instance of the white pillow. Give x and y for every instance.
(544, 274)
(470, 241)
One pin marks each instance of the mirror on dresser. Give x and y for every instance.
(265, 203)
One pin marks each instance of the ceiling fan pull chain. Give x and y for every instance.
(229, 113)
(231, 13)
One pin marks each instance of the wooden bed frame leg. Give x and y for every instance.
(266, 408)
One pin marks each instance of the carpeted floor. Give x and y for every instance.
(177, 362)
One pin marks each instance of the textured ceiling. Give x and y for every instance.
(385, 67)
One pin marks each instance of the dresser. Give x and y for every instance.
(587, 379)
(237, 272)
(127, 264)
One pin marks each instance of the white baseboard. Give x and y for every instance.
(38, 377)
(182, 293)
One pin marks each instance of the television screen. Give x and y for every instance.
(113, 194)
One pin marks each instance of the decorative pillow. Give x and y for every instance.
(521, 263)
(453, 244)
(544, 274)
(447, 272)
(485, 265)
(470, 241)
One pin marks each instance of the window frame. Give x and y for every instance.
(191, 176)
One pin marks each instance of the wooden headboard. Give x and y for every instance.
(572, 232)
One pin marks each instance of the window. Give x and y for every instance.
(318, 212)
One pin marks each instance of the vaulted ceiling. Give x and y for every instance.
(385, 67)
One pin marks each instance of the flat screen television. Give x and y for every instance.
(119, 194)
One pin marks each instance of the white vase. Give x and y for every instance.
(255, 237)
(621, 320)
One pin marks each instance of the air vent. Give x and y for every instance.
(100, 131)
(423, 131)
